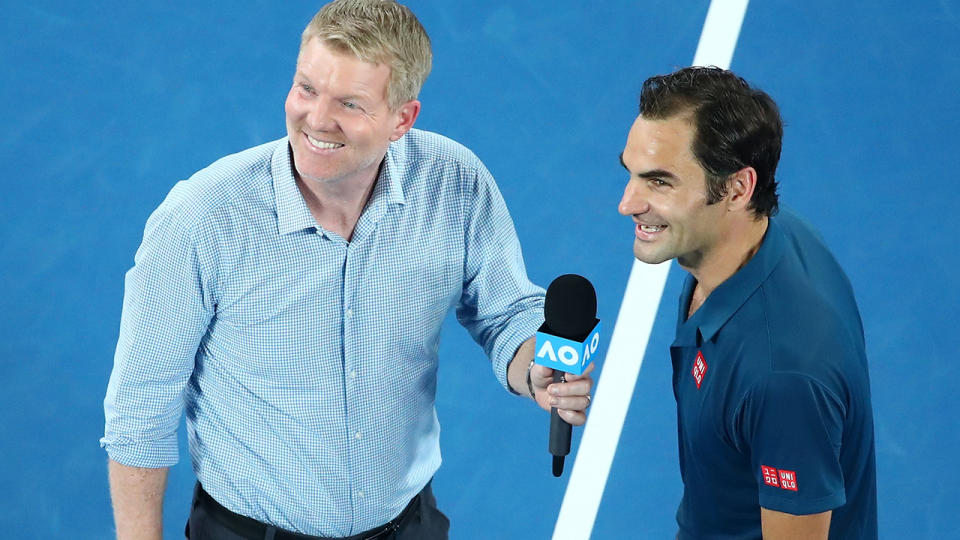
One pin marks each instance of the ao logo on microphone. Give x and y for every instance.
(566, 354)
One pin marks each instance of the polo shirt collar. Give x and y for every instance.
(726, 299)
(292, 212)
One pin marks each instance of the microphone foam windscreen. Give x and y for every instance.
(570, 307)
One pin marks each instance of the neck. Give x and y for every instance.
(341, 197)
(739, 243)
(337, 205)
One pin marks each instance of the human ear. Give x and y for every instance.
(740, 188)
(406, 115)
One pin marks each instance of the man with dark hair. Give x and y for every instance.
(289, 299)
(769, 364)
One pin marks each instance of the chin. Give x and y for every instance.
(649, 256)
(317, 178)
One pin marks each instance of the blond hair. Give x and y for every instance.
(380, 32)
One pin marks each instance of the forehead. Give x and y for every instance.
(660, 144)
(329, 64)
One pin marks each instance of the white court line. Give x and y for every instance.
(628, 344)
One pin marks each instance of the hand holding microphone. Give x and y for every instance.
(566, 344)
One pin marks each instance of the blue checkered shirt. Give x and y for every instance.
(307, 365)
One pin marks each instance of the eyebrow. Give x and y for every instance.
(356, 96)
(655, 173)
(302, 78)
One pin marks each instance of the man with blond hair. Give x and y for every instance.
(289, 300)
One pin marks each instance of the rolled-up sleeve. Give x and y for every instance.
(167, 307)
(499, 306)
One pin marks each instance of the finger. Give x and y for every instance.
(542, 371)
(579, 387)
(586, 372)
(573, 403)
(574, 418)
(541, 374)
(584, 375)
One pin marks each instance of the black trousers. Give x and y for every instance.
(421, 520)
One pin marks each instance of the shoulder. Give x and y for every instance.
(807, 257)
(242, 178)
(434, 169)
(435, 150)
(808, 297)
(805, 333)
(803, 317)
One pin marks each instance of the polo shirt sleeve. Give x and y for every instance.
(166, 310)
(499, 306)
(792, 427)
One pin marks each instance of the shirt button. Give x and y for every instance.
(353, 374)
(349, 313)
(360, 493)
(357, 436)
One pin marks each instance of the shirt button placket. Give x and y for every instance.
(351, 349)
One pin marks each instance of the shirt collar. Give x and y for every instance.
(393, 172)
(292, 211)
(726, 299)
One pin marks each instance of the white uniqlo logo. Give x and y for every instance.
(788, 480)
(782, 479)
(769, 476)
(699, 369)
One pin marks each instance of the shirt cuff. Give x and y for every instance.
(148, 455)
(800, 507)
(522, 327)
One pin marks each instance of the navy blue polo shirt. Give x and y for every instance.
(773, 395)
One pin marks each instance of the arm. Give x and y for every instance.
(782, 526)
(166, 310)
(792, 427)
(137, 495)
(571, 396)
(499, 305)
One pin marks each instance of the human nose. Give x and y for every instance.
(633, 201)
(319, 117)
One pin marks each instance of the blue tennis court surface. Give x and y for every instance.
(105, 105)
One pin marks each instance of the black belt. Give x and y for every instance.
(252, 528)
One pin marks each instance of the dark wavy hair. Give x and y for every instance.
(736, 125)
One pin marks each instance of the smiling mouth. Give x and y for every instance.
(648, 233)
(323, 145)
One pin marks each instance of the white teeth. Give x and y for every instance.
(650, 228)
(323, 145)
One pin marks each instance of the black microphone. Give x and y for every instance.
(570, 312)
